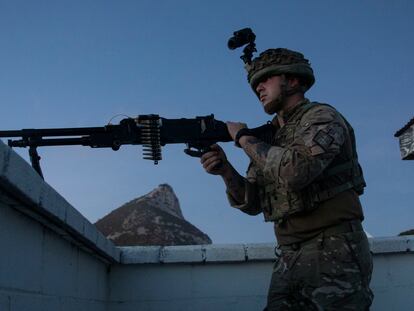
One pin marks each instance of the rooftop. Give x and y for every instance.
(404, 128)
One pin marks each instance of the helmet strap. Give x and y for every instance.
(289, 91)
(285, 91)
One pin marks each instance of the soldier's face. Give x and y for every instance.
(271, 91)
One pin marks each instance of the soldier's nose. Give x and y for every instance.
(259, 87)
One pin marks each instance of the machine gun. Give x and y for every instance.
(150, 131)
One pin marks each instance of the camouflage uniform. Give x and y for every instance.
(330, 273)
(309, 188)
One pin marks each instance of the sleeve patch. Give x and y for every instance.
(324, 140)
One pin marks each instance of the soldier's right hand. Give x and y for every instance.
(215, 161)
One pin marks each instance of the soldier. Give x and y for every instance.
(304, 176)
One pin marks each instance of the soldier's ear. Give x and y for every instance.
(293, 81)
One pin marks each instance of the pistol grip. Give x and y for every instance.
(193, 153)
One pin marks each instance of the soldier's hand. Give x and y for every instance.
(234, 128)
(215, 161)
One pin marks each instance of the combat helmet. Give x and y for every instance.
(279, 61)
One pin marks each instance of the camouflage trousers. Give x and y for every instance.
(328, 273)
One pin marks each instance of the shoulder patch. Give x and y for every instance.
(323, 139)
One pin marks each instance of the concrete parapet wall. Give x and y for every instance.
(24, 190)
(204, 287)
(52, 257)
(236, 277)
(39, 270)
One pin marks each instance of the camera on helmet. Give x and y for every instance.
(240, 38)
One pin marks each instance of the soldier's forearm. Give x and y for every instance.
(235, 184)
(256, 149)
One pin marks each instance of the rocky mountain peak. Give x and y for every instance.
(152, 219)
(163, 198)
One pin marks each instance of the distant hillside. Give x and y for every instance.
(153, 219)
(408, 232)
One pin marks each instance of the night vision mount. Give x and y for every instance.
(240, 38)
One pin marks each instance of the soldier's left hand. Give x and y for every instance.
(234, 127)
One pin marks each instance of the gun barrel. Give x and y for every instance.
(54, 132)
(83, 141)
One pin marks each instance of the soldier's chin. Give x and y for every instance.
(270, 108)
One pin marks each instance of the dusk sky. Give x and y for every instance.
(79, 63)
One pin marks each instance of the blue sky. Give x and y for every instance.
(79, 63)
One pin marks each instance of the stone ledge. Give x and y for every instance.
(184, 254)
(220, 253)
(21, 183)
(237, 252)
(398, 244)
(262, 251)
(225, 252)
(140, 254)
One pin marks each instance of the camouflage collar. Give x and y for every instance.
(288, 116)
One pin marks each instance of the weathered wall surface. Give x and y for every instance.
(393, 276)
(41, 271)
(189, 287)
(52, 258)
(185, 278)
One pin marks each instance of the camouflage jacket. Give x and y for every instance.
(312, 160)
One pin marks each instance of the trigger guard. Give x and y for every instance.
(193, 153)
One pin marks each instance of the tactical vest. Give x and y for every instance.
(343, 173)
